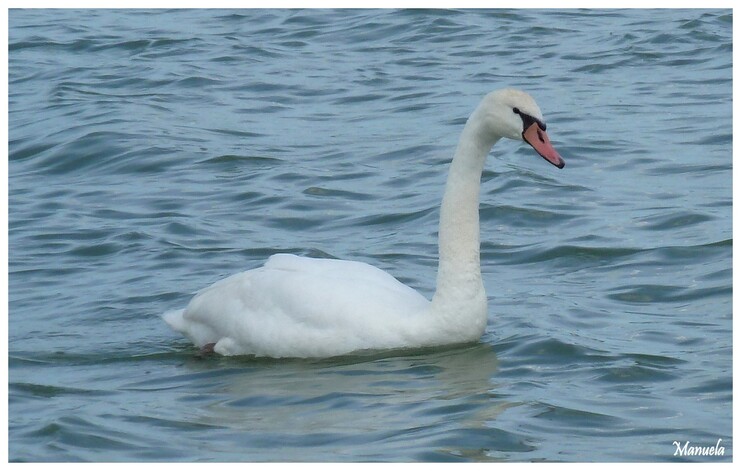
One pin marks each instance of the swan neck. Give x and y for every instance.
(459, 277)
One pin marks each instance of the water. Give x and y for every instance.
(155, 152)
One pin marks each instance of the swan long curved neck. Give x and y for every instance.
(459, 276)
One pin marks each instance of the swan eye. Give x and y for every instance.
(528, 120)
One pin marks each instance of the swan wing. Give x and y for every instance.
(299, 306)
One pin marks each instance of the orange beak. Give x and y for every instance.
(538, 139)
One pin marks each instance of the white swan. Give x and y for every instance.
(305, 307)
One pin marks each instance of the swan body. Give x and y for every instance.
(306, 307)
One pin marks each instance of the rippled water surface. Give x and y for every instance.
(155, 152)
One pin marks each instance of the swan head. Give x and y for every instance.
(514, 114)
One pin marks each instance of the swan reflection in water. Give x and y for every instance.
(373, 405)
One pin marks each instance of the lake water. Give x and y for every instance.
(152, 153)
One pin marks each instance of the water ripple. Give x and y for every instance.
(151, 153)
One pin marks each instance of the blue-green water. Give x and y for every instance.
(152, 153)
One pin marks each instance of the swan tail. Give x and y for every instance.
(200, 334)
(176, 320)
